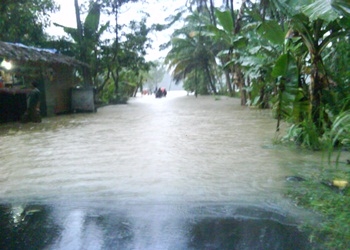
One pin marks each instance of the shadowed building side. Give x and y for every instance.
(54, 73)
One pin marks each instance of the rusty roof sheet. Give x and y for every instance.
(20, 52)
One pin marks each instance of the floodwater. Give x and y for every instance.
(173, 173)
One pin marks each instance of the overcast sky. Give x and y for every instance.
(158, 9)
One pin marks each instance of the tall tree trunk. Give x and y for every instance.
(237, 68)
(232, 12)
(212, 86)
(239, 81)
(212, 13)
(116, 57)
(316, 84)
(79, 25)
(249, 93)
(315, 90)
(228, 83)
(83, 57)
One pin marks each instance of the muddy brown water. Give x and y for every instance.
(173, 173)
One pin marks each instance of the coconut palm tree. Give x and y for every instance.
(192, 52)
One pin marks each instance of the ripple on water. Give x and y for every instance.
(178, 149)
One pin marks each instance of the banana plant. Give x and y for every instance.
(86, 37)
(266, 39)
(317, 24)
(313, 26)
(229, 45)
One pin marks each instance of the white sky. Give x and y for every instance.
(158, 9)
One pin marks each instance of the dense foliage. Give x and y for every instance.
(291, 56)
(23, 21)
(117, 65)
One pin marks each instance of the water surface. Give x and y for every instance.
(173, 173)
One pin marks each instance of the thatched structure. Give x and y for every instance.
(22, 53)
(54, 72)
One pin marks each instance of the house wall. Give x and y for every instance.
(59, 80)
(55, 77)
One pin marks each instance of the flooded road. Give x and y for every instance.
(173, 173)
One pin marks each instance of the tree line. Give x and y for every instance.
(288, 55)
(118, 67)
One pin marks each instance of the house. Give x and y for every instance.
(55, 73)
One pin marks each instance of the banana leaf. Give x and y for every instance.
(92, 21)
(225, 20)
(342, 7)
(320, 9)
(272, 31)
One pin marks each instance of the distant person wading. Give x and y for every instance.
(32, 113)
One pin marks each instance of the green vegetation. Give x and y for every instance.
(289, 56)
(331, 202)
(117, 65)
(23, 21)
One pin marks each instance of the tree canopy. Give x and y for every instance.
(275, 54)
(23, 21)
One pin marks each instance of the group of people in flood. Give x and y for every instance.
(160, 92)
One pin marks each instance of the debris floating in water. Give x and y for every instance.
(295, 178)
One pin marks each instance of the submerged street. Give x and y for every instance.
(172, 173)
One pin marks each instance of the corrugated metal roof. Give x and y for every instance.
(20, 52)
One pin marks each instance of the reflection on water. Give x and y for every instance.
(26, 227)
(150, 229)
(153, 174)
